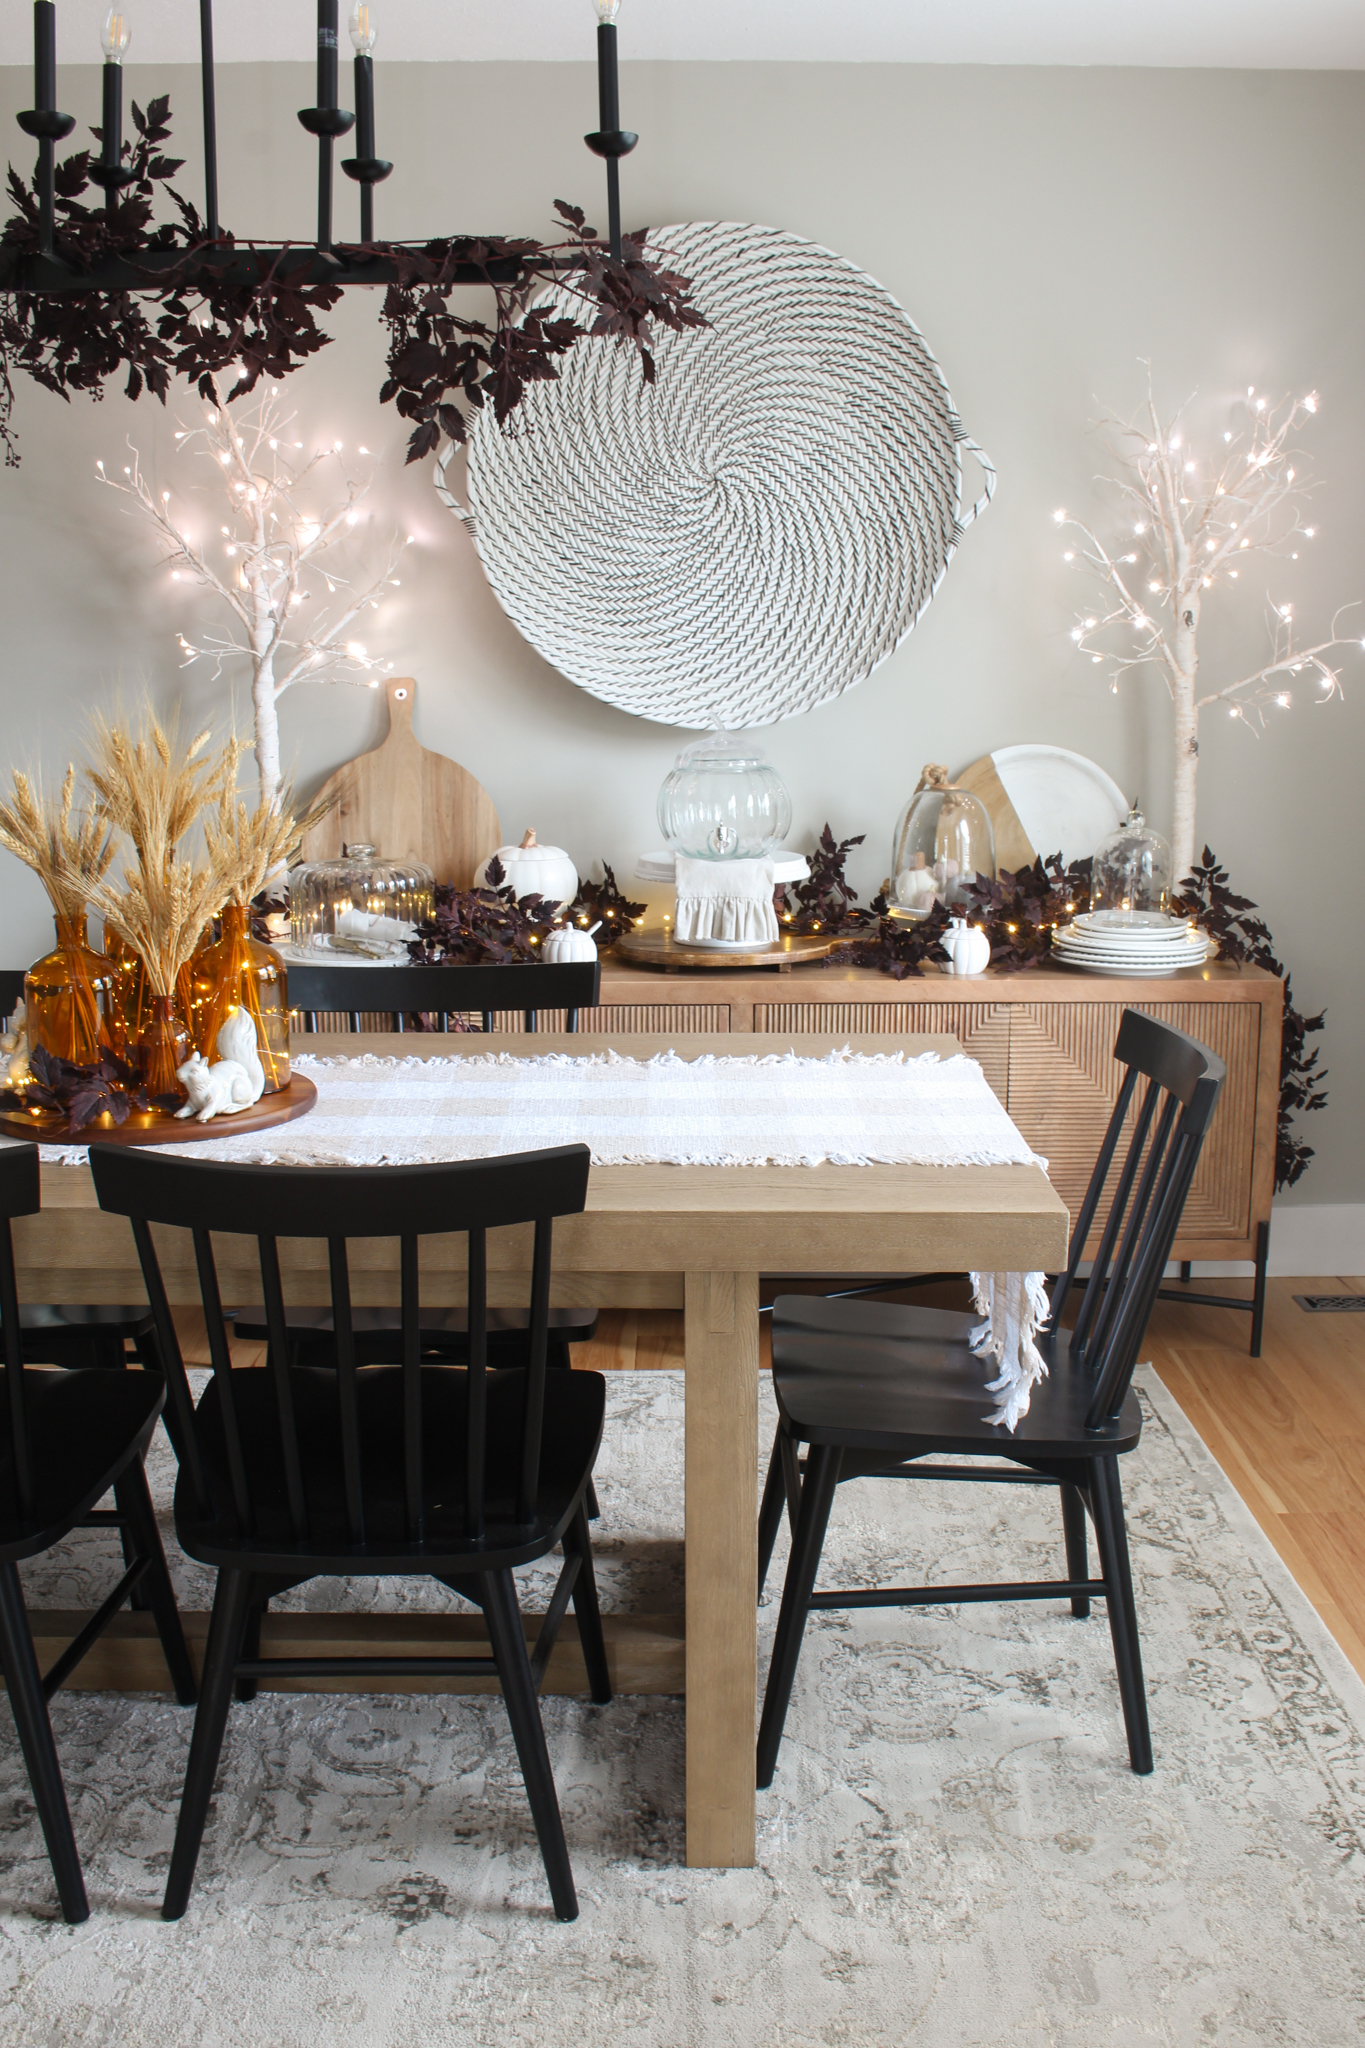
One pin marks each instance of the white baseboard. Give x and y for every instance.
(1311, 1240)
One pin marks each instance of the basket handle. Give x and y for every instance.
(988, 470)
(443, 491)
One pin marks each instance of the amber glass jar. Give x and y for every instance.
(132, 998)
(163, 1045)
(238, 972)
(69, 997)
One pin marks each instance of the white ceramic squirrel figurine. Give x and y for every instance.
(215, 1090)
(237, 1041)
(234, 1081)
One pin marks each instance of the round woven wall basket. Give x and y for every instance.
(758, 530)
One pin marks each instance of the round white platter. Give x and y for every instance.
(1062, 800)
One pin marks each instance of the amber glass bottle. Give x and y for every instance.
(163, 1045)
(69, 997)
(238, 972)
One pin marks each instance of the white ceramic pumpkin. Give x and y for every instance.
(570, 943)
(534, 870)
(968, 949)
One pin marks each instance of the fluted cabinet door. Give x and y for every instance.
(1063, 1083)
(981, 1029)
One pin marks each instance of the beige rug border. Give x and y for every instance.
(1303, 1615)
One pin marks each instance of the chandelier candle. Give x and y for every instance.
(611, 140)
(326, 120)
(365, 167)
(115, 37)
(42, 121)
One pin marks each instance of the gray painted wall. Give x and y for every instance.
(1046, 229)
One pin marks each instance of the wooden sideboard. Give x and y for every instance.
(1045, 1041)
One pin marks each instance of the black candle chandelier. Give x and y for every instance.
(50, 268)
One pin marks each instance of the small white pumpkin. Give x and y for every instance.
(533, 870)
(968, 949)
(570, 943)
(916, 886)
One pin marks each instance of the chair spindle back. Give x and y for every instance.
(340, 1206)
(19, 1196)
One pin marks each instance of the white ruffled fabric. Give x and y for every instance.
(1015, 1306)
(725, 899)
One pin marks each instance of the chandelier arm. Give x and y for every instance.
(206, 79)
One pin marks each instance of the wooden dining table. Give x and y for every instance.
(689, 1238)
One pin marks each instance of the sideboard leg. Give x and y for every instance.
(1258, 1293)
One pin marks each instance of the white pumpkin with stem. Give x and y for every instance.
(967, 947)
(570, 943)
(533, 870)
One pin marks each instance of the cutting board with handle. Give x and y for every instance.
(408, 803)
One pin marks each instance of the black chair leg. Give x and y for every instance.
(231, 1603)
(498, 1593)
(139, 1522)
(1077, 1559)
(1106, 1502)
(589, 1615)
(770, 1512)
(245, 1689)
(20, 1664)
(817, 1498)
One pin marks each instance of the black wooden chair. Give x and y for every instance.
(444, 990)
(296, 1472)
(873, 1388)
(66, 1439)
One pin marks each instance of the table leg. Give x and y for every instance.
(722, 1565)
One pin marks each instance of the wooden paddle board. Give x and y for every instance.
(408, 803)
(1012, 847)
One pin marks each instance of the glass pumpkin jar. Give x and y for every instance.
(361, 904)
(1130, 878)
(724, 800)
(943, 840)
(69, 998)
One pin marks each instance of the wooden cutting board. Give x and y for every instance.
(1012, 847)
(408, 803)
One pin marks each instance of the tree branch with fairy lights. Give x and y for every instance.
(1188, 522)
(279, 566)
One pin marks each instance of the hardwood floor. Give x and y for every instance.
(1288, 1428)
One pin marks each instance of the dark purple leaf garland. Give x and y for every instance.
(1207, 898)
(82, 1094)
(469, 927)
(77, 341)
(825, 901)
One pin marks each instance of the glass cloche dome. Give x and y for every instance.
(1130, 880)
(943, 841)
(724, 800)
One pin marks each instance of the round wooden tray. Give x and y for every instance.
(661, 949)
(151, 1127)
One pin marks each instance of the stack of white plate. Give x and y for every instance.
(1144, 944)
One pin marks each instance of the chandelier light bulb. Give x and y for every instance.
(362, 28)
(607, 10)
(116, 35)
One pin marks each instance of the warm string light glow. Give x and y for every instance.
(1248, 502)
(275, 546)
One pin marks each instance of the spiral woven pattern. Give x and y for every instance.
(757, 531)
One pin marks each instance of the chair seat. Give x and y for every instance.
(129, 1318)
(878, 1376)
(574, 1405)
(85, 1427)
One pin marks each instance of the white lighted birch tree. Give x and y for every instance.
(294, 611)
(1190, 519)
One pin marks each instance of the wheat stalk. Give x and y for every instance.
(153, 789)
(257, 842)
(70, 854)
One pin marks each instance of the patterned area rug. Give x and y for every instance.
(954, 1852)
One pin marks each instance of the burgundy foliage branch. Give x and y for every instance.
(82, 1094)
(183, 322)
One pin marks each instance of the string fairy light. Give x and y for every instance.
(273, 551)
(1201, 518)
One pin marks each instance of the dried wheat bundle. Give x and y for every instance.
(69, 851)
(154, 790)
(261, 842)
